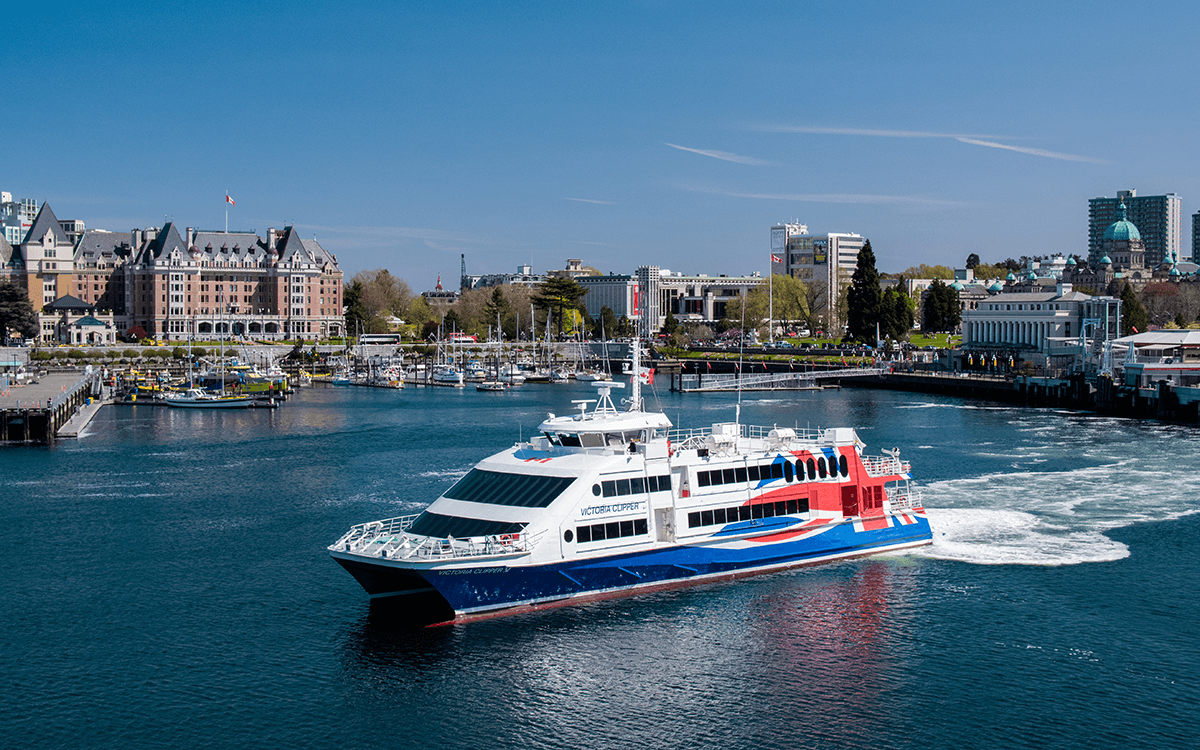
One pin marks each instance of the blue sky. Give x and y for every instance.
(622, 133)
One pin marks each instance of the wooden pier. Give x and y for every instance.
(35, 413)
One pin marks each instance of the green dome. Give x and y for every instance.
(1122, 230)
(1106, 261)
(1071, 261)
(1010, 277)
(956, 286)
(1032, 276)
(997, 287)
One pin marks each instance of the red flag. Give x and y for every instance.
(229, 200)
(708, 363)
(776, 258)
(1135, 330)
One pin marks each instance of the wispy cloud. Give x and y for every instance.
(722, 155)
(592, 200)
(858, 198)
(971, 139)
(1030, 151)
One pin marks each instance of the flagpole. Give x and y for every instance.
(771, 298)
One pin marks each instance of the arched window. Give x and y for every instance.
(844, 466)
(812, 470)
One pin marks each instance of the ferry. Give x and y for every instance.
(611, 502)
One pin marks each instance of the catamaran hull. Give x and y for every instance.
(489, 588)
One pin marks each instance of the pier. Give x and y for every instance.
(42, 411)
(771, 381)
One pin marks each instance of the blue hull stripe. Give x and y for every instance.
(495, 588)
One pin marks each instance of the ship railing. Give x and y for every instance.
(389, 539)
(698, 437)
(905, 499)
(879, 466)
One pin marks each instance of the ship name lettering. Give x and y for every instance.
(597, 510)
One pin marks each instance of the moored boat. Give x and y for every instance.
(608, 502)
(194, 398)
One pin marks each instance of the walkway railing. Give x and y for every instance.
(389, 539)
(771, 380)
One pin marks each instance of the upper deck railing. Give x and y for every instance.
(389, 539)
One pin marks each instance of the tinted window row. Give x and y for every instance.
(438, 526)
(632, 486)
(742, 474)
(612, 530)
(818, 468)
(497, 488)
(747, 512)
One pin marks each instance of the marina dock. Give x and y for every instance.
(42, 412)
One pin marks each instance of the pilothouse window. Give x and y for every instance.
(496, 488)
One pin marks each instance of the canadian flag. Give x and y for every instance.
(229, 200)
(776, 258)
(647, 375)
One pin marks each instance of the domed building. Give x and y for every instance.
(1121, 255)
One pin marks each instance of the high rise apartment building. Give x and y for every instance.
(1158, 218)
(1195, 237)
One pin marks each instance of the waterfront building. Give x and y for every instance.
(159, 283)
(695, 298)
(616, 291)
(524, 276)
(1157, 217)
(1124, 257)
(1039, 326)
(827, 260)
(70, 320)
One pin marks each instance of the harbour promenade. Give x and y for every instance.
(56, 405)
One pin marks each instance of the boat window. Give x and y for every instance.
(787, 470)
(821, 468)
(637, 485)
(568, 536)
(743, 512)
(727, 476)
(591, 440)
(702, 479)
(601, 531)
(570, 441)
(614, 438)
(780, 508)
(693, 520)
(440, 526)
(777, 470)
(596, 490)
(740, 474)
(843, 466)
(706, 517)
(553, 438)
(496, 488)
(756, 511)
(812, 470)
(622, 487)
(719, 515)
(752, 472)
(664, 483)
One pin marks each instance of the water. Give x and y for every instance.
(166, 585)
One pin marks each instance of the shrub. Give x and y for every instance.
(199, 351)
(179, 352)
(131, 354)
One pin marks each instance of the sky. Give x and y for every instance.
(404, 134)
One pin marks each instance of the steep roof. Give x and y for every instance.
(290, 245)
(239, 246)
(6, 252)
(322, 255)
(45, 222)
(67, 303)
(97, 244)
(165, 242)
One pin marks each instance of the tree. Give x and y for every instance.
(556, 295)
(789, 298)
(863, 298)
(896, 314)
(670, 325)
(16, 312)
(606, 324)
(357, 317)
(927, 272)
(940, 308)
(1133, 316)
(972, 261)
(749, 311)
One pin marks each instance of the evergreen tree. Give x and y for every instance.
(606, 325)
(1133, 316)
(358, 319)
(16, 312)
(972, 260)
(670, 325)
(896, 315)
(863, 298)
(496, 308)
(941, 312)
(557, 295)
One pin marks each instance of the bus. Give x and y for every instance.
(379, 338)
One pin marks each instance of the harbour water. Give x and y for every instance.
(166, 584)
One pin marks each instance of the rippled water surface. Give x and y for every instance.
(165, 584)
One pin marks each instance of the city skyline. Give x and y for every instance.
(635, 133)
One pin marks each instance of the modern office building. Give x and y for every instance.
(1158, 218)
(827, 260)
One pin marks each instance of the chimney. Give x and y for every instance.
(271, 240)
(191, 233)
